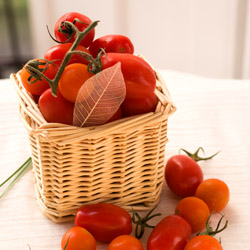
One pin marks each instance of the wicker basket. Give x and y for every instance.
(121, 162)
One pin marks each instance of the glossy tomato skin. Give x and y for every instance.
(183, 175)
(173, 232)
(205, 242)
(56, 109)
(38, 87)
(125, 242)
(139, 77)
(104, 221)
(78, 238)
(58, 52)
(112, 43)
(85, 22)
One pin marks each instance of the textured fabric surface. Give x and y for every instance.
(211, 113)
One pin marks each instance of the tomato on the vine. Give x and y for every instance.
(73, 77)
(125, 242)
(56, 109)
(67, 32)
(205, 242)
(173, 232)
(58, 52)
(112, 43)
(104, 221)
(78, 238)
(195, 211)
(38, 86)
(183, 175)
(214, 192)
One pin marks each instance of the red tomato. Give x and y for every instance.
(139, 106)
(215, 193)
(72, 78)
(195, 211)
(112, 43)
(56, 109)
(139, 77)
(173, 232)
(104, 221)
(183, 175)
(205, 242)
(39, 86)
(82, 25)
(58, 52)
(125, 242)
(78, 238)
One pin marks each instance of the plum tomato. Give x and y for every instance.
(72, 78)
(58, 52)
(104, 221)
(138, 75)
(172, 232)
(56, 109)
(215, 193)
(111, 43)
(195, 211)
(78, 238)
(183, 175)
(139, 106)
(39, 86)
(125, 242)
(205, 242)
(68, 32)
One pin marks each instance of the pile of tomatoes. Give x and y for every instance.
(90, 53)
(182, 230)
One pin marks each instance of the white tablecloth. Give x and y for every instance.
(211, 113)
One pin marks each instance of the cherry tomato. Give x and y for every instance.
(183, 175)
(205, 242)
(139, 105)
(195, 211)
(125, 242)
(104, 221)
(112, 43)
(215, 193)
(78, 238)
(39, 86)
(139, 77)
(82, 25)
(57, 53)
(73, 77)
(56, 109)
(173, 232)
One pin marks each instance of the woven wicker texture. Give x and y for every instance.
(121, 162)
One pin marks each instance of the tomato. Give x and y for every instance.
(39, 86)
(183, 175)
(195, 211)
(125, 242)
(72, 78)
(173, 232)
(104, 221)
(139, 77)
(215, 193)
(78, 238)
(57, 53)
(68, 32)
(205, 242)
(112, 43)
(56, 109)
(139, 106)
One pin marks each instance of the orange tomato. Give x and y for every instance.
(125, 242)
(73, 77)
(215, 193)
(78, 238)
(195, 211)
